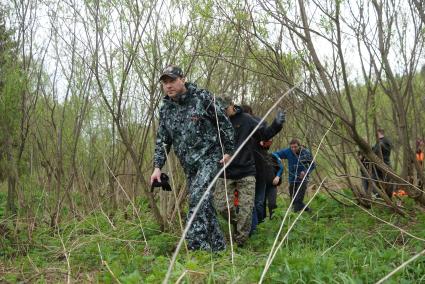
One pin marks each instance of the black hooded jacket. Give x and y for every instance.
(244, 163)
(383, 146)
(263, 163)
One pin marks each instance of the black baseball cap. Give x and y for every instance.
(171, 71)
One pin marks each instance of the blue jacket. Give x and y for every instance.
(296, 163)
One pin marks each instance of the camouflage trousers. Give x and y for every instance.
(204, 232)
(241, 213)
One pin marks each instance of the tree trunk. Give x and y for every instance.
(11, 179)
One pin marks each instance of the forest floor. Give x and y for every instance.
(334, 244)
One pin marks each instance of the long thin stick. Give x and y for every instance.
(400, 267)
(274, 253)
(104, 262)
(227, 197)
(67, 256)
(334, 245)
(269, 259)
(386, 222)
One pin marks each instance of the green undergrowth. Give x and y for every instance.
(335, 244)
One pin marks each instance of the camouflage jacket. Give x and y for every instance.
(190, 125)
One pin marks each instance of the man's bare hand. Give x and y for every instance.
(156, 175)
(276, 180)
(225, 159)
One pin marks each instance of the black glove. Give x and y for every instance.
(280, 117)
(163, 184)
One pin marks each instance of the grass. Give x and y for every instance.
(335, 244)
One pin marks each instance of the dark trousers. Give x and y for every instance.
(270, 200)
(260, 195)
(383, 181)
(254, 222)
(258, 210)
(365, 183)
(297, 192)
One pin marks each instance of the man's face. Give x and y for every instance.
(230, 110)
(173, 86)
(294, 148)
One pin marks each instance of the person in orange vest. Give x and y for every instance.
(420, 143)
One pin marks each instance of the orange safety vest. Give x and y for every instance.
(420, 156)
(236, 199)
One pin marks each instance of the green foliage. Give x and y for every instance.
(2, 202)
(335, 244)
(203, 8)
(13, 83)
(327, 24)
(12, 86)
(216, 41)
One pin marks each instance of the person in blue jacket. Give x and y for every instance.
(300, 166)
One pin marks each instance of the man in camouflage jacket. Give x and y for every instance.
(191, 122)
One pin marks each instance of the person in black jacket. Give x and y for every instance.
(273, 170)
(383, 150)
(365, 171)
(239, 187)
(264, 173)
(383, 147)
